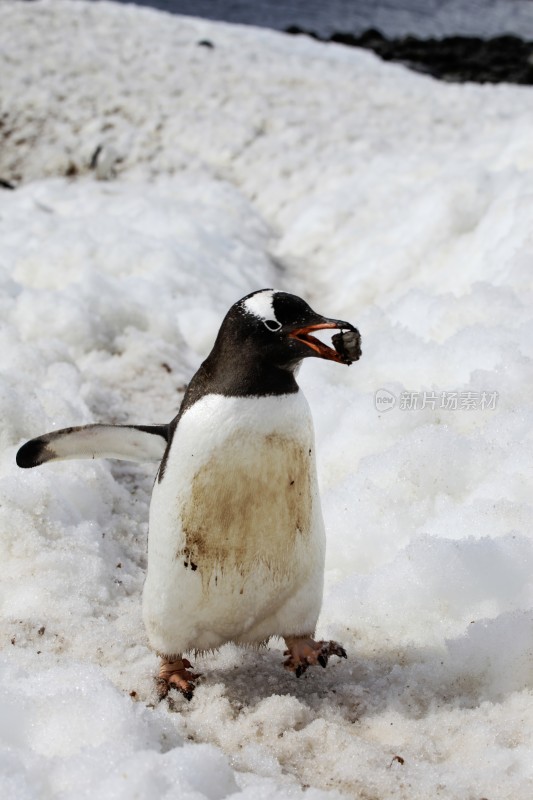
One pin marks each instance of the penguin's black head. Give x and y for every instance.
(277, 327)
(262, 340)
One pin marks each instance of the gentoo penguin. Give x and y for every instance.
(236, 539)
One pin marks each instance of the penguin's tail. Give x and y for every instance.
(127, 442)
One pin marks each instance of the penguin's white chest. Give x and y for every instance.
(236, 536)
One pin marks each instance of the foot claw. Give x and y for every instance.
(305, 652)
(176, 675)
(336, 649)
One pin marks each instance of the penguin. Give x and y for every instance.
(236, 539)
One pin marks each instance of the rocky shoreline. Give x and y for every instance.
(502, 59)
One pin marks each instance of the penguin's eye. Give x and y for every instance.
(272, 324)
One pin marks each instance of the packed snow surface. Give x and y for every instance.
(383, 197)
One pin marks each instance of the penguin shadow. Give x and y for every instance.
(413, 681)
(261, 674)
(247, 676)
(344, 688)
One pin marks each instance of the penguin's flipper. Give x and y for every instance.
(127, 442)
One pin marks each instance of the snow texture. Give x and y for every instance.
(383, 197)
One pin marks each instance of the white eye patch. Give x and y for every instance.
(261, 306)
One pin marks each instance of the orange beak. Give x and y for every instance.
(321, 349)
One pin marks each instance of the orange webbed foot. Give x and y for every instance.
(176, 674)
(304, 652)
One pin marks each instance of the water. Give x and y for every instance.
(422, 18)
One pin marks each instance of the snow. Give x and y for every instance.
(383, 197)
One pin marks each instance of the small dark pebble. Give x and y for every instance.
(348, 345)
(399, 759)
(71, 170)
(41, 630)
(94, 158)
(6, 184)
(206, 43)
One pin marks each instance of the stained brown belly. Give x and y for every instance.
(248, 505)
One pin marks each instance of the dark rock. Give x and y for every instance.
(455, 58)
(294, 30)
